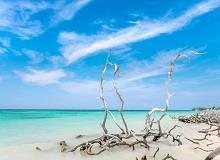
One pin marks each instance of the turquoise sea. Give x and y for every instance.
(37, 126)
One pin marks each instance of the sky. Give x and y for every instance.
(52, 53)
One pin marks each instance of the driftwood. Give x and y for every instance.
(150, 122)
(156, 152)
(79, 136)
(170, 72)
(107, 111)
(168, 157)
(165, 158)
(142, 158)
(192, 141)
(205, 150)
(104, 142)
(64, 147)
(153, 131)
(116, 71)
(211, 118)
(126, 138)
(213, 154)
(38, 148)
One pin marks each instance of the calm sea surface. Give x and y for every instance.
(37, 126)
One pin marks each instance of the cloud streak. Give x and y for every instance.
(78, 46)
(42, 77)
(136, 70)
(150, 93)
(34, 56)
(68, 11)
(20, 19)
(15, 17)
(4, 44)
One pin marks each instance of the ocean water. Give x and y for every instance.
(39, 126)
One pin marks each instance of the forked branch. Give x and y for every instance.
(107, 111)
(168, 89)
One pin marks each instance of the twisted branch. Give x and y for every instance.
(168, 88)
(107, 111)
(121, 100)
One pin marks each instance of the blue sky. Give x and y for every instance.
(52, 52)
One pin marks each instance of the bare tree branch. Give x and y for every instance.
(107, 111)
(168, 87)
(213, 154)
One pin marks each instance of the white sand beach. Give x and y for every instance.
(51, 151)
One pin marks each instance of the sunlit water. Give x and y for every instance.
(36, 126)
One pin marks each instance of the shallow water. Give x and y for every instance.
(35, 126)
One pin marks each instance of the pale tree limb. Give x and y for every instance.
(122, 107)
(192, 141)
(213, 154)
(205, 150)
(102, 96)
(169, 95)
(168, 157)
(107, 111)
(107, 141)
(156, 152)
(168, 88)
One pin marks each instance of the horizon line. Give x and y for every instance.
(59, 109)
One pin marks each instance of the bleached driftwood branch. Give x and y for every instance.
(211, 118)
(213, 154)
(122, 106)
(168, 88)
(107, 111)
(116, 71)
(130, 139)
(168, 157)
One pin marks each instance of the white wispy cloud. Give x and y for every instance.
(34, 56)
(134, 79)
(56, 60)
(2, 50)
(77, 46)
(149, 93)
(4, 44)
(133, 72)
(20, 19)
(15, 17)
(214, 71)
(156, 65)
(42, 77)
(68, 11)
